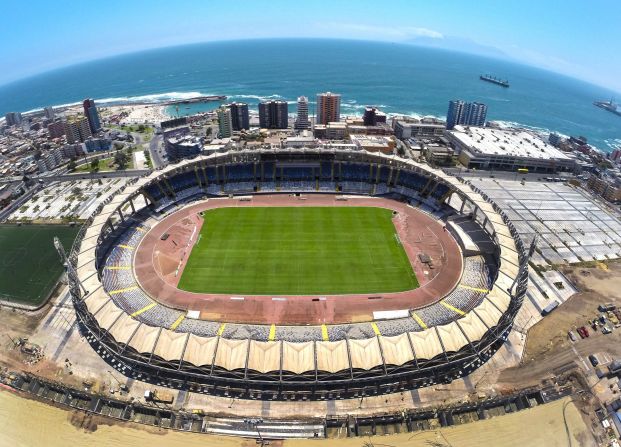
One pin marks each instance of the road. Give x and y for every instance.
(157, 152)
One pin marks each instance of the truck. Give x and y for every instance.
(155, 396)
(549, 308)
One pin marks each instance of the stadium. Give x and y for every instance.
(297, 275)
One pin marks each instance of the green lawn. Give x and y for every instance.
(29, 263)
(298, 251)
(105, 165)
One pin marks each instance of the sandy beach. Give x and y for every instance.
(139, 114)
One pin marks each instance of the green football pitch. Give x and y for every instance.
(29, 263)
(298, 251)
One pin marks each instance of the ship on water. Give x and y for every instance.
(494, 80)
(608, 105)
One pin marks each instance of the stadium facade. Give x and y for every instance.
(149, 341)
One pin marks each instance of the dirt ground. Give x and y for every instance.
(28, 423)
(548, 344)
(13, 325)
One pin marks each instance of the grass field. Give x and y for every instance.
(298, 251)
(29, 263)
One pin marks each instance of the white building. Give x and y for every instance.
(510, 149)
(302, 122)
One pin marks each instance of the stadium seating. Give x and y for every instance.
(353, 178)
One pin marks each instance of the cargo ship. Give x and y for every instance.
(608, 105)
(493, 80)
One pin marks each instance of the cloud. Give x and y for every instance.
(378, 32)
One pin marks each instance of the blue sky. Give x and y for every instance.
(575, 37)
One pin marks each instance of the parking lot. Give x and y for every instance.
(75, 200)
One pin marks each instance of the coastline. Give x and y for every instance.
(152, 109)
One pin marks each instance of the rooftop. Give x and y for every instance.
(514, 142)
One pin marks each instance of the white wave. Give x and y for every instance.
(613, 143)
(58, 106)
(256, 97)
(128, 100)
(544, 130)
(155, 97)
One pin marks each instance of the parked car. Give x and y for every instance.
(593, 360)
(607, 328)
(583, 332)
(571, 335)
(606, 307)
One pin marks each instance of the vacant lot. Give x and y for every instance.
(298, 251)
(29, 263)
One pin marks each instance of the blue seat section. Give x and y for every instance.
(183, 181)
(355, 172)
(440, 190)
(154, 191)
(297, 173)
(268, 170)
(240, 173)
(384, 174)
(210, 171)
(412, 180)
(326, 170)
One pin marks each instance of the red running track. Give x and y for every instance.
(158, 266)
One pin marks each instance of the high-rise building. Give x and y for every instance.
(372, 116)
(273, 114)
(455, 114)
(90, 112)
(239, 115)
(56, 129)
(328, 108)
(554, 139)
(49, 113)
(466, 113)
(13, 118)
(302, 122)
(476, 114)
(225, 125)
(77, 129)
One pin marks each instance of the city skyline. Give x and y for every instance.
(554, 36)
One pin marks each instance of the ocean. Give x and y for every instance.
(397, 78)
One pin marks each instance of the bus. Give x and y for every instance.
(523, 170)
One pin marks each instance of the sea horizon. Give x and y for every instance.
(400, 79)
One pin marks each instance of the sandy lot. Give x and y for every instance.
(27, 423)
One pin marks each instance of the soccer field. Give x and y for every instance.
(29, 263)
(298, 251)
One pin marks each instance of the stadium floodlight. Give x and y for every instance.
(68, 266)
